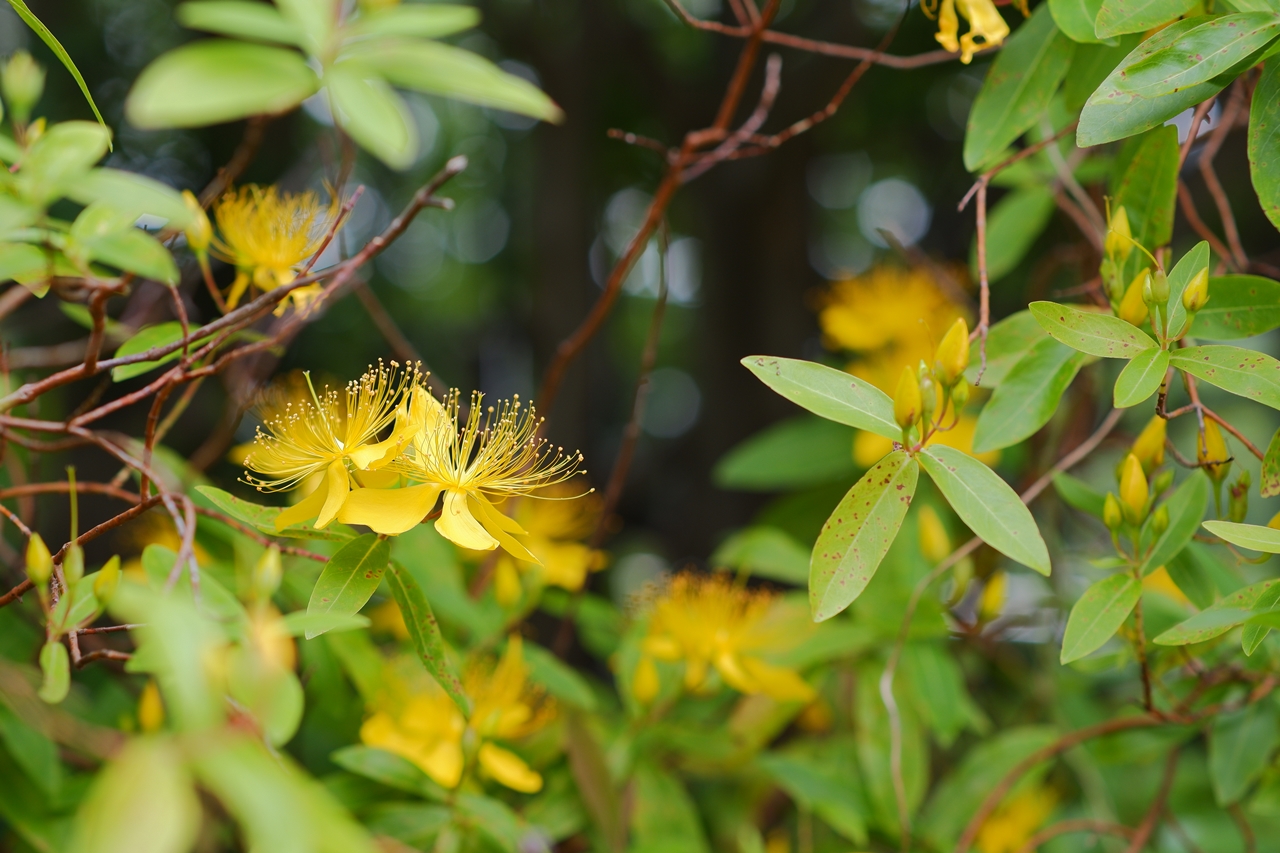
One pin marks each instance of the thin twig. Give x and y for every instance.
(1096, 827)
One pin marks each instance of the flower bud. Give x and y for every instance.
(73, 564)
(1161, 483)
(960, 396)
(1119, 241)
(953, 353)
(1133, 489)
(150, 709)
(199, 232)
(1238, 497)
(935, 544)
(1148, 295)
(1197, 292)
(907, 401)
(22, 81)
(1160, 520)
(1212, 452)
(928, 395)
(1112, 515)
(1160, 287)
(39, 561)
(645, 684)
(104, 585)
(991, 602)
(1133, 307)
(1149, 446)
(1111, 280)
(266, 574)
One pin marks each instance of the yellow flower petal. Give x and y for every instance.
(509, 769)
(389, 511)
(645, 684)
(305, 509)
(506, 583)
(491, 520)
(778, 682)
(948, 26)
(731, 670)
(459, 526)
(444, 763)
(338, 485)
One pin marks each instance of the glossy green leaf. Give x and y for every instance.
(375, 116)
(1186, 509)
(1012, 228)
(1091, 332)
(1112, 113)
(1017, 90)
(1217, 619)
(158, 335)
(441, 69)
(1270, 477)
(1148, 192)
(1264, 141)
(1240, 745)
(350, 578)
(388, 769)
(858, 534)
(1255, 537)
(241, 19)
(131, 193)
(1186, 269)
(263, 517)
(425, 632)
(793, 454)
(1076, 18)
(1091, 65)
(1141, 378)
(987, 505)
(1028, 396)
(1201, 54)
(1098, 614)
(1079, 494)
(764, 552)
(827, 392)
(421, 20)
(314, 624)
(1240, 306)
(213, 81)
(55, 666)
(60, 158)
(1252, 375)
(1134, 16)
(51, 42)
(1007, 342)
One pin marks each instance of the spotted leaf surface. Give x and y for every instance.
(1097, 334)
(1252, 375)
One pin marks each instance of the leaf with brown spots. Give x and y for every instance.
(349, 578)
(1252, 375)
(1097, 334)
(1270, 485)
(827, 392)
(858, 534)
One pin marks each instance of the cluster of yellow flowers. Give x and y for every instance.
(708, 622)
(1016, 821)
(986, 27)
(419, 722)
(386, 450)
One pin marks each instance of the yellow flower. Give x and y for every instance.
(269, 236)
(1160, 581)
(336, 434)
(427, 728)
(709, 622)
(1133, 309)
(494, 455)
(986, 27)
(1149, 446)
(150, 708)
(1013, 824)
(869, 448)
(991, 603)
(1212, 452)
(555, 522)
(935, 544)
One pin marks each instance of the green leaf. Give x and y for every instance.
(315, 624)
(32, 750)
(1252, 375)
(1186, 509)
(987, 505)
(22, 260)
(1141, 378)
(1270, 485)
(1201, 54)
(158, 335)
(59, 51)
(1093, 332)
(1217, 619)
(60, 158)
(1134, 16)
(827, 392)
(425, 20)
(240, 18)
(350, 578)
(1148, 192)
(131, 193)
(1255, 537)
(560, 680)
(1090, 66)
(415, 824)
(214, 81)
(375, 116)
(1240, 745)
(1079, 494)
(1264, 141)
(1191, 571)
(1240, 306)
(441, 69)
(56, 668)
(425, 632)
(1028, 396)
(1254, 633)
(858, 534)
(263, 518)
(664, 818)
(821, 784)
(1098, 614)
(1007, 342)
(142, 802)
(388, 769)
(1112, 113)
(793, 454)
(101, 233)
(764, 552)
(937, 681)
(315, 19)
(1188, 266)
(1076, 17)
(494, 819)
(1012, 228)
(1017, 89)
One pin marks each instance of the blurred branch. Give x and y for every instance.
(391, 333)
(1095, 827)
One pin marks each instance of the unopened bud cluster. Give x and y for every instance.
(916, 399)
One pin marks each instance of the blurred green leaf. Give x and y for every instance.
(389, 769)
(55, 664)
(315, 624)
(421, 20)
(1240, 306)
(132, 193)
(1099, 334)
(1252, 375)
(987, 505)
(792, 454)
(1190, 571)
(1079, 494)
(375, 116)
(1012, 228)
(937, 682)
(764, 552)
(664, 818)
(1140, 378)
(415, 824)
(102, 233)
(1027, 396)
(599, 792)
(22, 260)
(58, 50)
(1186, 508)
(858, 534)
(1098, 614)
(240, 18)
(425, 632)
(263, 518)
(1240, 746)
(1134, 16)
(214, 81)
(823, 782)
(1264, 144)
(560, 680)
(828, 393)
(159, 335)
(60, 158)
(350, 578)
(1007, 342)
(33, 751)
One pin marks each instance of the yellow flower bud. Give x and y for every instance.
(1160, 520)
(1159, 287)
(953, 353)
(267, 573)
(22, 79)
(1133, 489)
(907, 402)
(645, 684)
(73, 564)
(104, 585)
(991, 602)
(1197, 292)
(150, 709)
(1149, 447)
(199, 232)
(1133, 309)
(39, 561)
(1119, 238)
(1212, 452)
(960, 396)
(935, 544)
(1112, 515)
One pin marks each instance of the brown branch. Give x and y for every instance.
(1097, 827)
(1197, 117)
(1225, 124)
(1152, 818)
(16, 295)
(17, 592)
(1246, 831)
(1188, 205)
(259, 537)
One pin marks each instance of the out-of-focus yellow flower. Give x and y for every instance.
(1159, 581)
(386, 618)
(150, 708)
(154, 527)
(708, 622)
(337, 435)
(869, 447)
(1119, 242)
(269, 235)
(994, 594)
(426, 727)
(935, 544)
(555, 523)
(1010, 827)
(493, 455)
